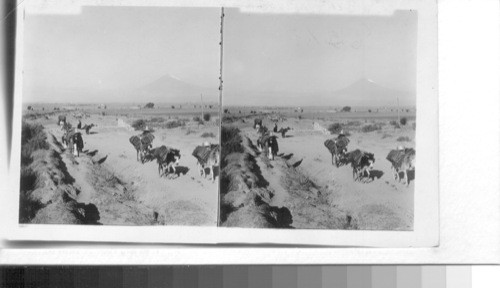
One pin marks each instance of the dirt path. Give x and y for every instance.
(135, 190)
(308, 204)
(382, 204)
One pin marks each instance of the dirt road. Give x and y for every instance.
(127, 192)
(380, 204)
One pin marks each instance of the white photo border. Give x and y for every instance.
(426, 194)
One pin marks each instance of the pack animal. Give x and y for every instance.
(402, 160)
(361, 163)
(338, 149)
(61, 120)
(76, 143)
(167, 158)
(257, 123)
(207, 155)
(283, 131)
(269, 144)
(142, 144)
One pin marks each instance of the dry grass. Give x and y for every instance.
(231, 141)
(33, 138)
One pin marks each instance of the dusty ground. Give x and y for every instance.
(127, 192)
(379, 204)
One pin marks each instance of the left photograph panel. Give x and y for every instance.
(120, 117)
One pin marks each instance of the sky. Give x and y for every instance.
(118, 48)
(105, 51)
(278, 55)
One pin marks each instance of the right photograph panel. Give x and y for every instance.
(319, 121)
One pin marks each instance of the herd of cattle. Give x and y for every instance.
(167, 158)
(402, 159)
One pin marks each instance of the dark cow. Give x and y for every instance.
(208, 156)
(61, 120)
(142, 143)
(338, 149)
(361, 162)
(257, 123)
(402, 160)
(166, 157)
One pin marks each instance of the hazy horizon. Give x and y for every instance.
(171, 55)
(301, 59)
(113, 52)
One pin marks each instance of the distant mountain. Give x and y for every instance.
(171, 89)
(366, 92)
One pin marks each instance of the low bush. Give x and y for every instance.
(206, 117)
(403, 121)
(346, 109)
(395, 124)
(403, 139)
(353, 123)
(139, 124)
(370, 128)
(173, 124)
(208, 135)
(157, 120)
(335, 128)
(386, 136)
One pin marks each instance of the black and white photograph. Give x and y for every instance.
(120, 116)
(319, 121)
(226, 123)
